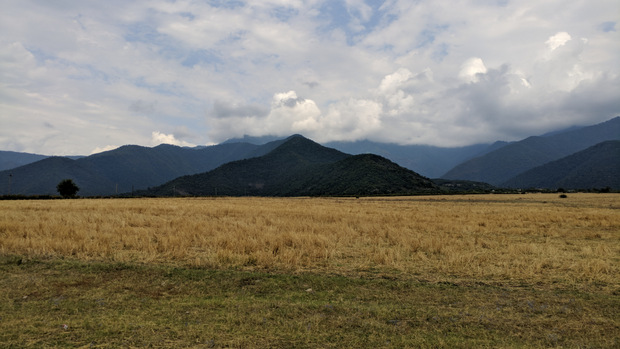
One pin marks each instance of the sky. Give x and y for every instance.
(79, 77)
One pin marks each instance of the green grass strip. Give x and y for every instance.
(62, 303)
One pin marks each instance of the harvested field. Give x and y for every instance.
(483, 270)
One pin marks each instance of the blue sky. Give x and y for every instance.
(78, 77)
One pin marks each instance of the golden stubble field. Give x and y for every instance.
(536, 239)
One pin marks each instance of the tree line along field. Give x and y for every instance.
(481, 270)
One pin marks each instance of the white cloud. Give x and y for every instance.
(287, 109)
(288, 114)
(558, 40)
(162, 138)
(471, 68)
(76, 76)
(395, 81)
(102, 149)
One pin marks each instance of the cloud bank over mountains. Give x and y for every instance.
(78, 77)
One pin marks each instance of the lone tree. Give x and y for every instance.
(67, 189)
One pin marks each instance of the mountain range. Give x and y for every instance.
(125, 169)
(301, 167)
(595, 167)
(13, 159)
(429, 161)
(133, 168)
(499, 166)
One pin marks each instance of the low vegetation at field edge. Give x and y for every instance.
(312, 272)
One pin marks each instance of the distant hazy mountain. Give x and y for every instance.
(300, 167)
(555, 132)
(254, 140)
(134, 167)
(426, 160)
(123, 169)
(41, 177)
(12, 159)
(510, 160)
(594, 167)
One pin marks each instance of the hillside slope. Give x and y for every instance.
(594, 167)
(506, 162)
(300, 167)
(365, 174)
(429, 161)
(125, 169)
(41, 177)
(13, 159)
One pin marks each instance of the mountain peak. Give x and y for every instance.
(299, 139)
(296, 135)
(298, 167)
(300, 147)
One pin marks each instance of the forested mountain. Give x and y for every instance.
(13, 159)
(300, 167)
(41, 177)
(132, 168)
(594, 167)
(510, 160)
(124, 169)
(426, 160)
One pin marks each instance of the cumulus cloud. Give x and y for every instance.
(162, 138)
(558, 40)
(426, 72)
(395, 81)
(484, 104)
(287, 114)
(471, 68)
(288, 109)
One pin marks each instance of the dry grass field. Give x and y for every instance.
(507, 238)
(529, 247)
